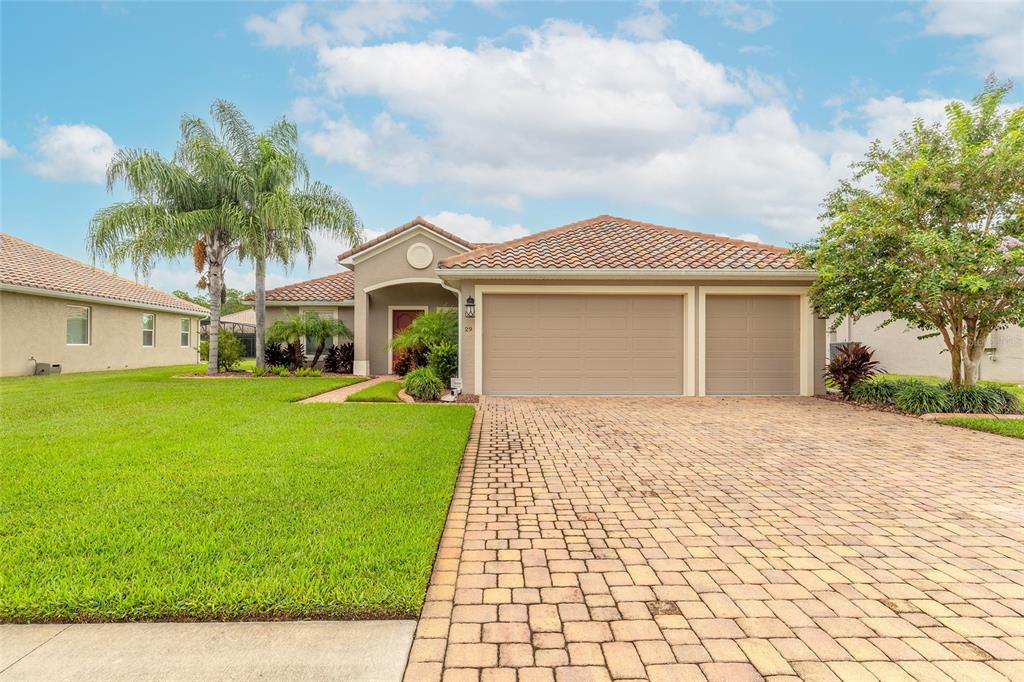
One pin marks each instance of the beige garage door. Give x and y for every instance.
(582, 345)
(752, 345)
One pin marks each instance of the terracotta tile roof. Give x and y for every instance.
(609, 242)
(23, 264)
(417, 221)
(336, 287)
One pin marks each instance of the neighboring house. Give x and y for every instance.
(899, 350)
(243, 325)
(605, 306)
(56, 310)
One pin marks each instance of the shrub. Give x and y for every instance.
(973, 399)
(422, 384)
(1008, 402)
(875, 391)
(853, 364)
(982, 399)
(409, 359)
(444, 360)
(274, 354)
(428, 330)
(259, 372)
(307, 372)
(281, 371)
(917, 397)
(339, 359)
(296, 354)
(229, 350)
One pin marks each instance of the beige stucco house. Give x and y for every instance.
(900, 351)
(59, 311)
(605, 306)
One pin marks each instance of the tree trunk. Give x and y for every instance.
(261, 310)
(956, 360)
(316, 356)
(972, 360)
(215, 285)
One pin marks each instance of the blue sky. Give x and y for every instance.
(493, 118)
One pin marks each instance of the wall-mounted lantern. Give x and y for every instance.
(470, 308)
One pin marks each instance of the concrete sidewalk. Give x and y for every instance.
(339, 395)
(305, 650)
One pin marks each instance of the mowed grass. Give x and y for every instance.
(384, 392)
(1004, 427)
(135, 496)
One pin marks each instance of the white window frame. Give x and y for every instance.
(88, 325)
(152, 331)
(187, 331)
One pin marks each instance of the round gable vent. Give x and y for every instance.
(419, 256)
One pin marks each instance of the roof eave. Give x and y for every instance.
(311, 302)
(56, 293)
(619, 273)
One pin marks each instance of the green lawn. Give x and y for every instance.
(384, 392)
(1004, 427)
(134, 496)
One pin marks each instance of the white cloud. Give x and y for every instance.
(888, 116)
(997, 26)
(569, 113)
(76, 153)
(296, 25)
(647, 23)
(742, 16)
(756, 49)
(475, 228)
(744, 237)
(440, 36)
(7, 150)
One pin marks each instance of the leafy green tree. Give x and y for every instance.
(277, 207)
(294, 330)
(177, 207)
(233, 300)
(931, 231)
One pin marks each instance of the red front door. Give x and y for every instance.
(400, 319)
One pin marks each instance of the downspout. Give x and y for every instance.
(458, 296)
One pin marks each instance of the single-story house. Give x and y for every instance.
(605, 306)
(56, 310)
(900, 351)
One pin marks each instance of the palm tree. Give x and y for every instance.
(176, 208)
(294, 330)
(279, 207)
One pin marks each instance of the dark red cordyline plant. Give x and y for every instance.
(852, 364)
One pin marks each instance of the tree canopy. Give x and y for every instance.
(930, 230)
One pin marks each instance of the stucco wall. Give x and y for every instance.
(901, 352)
(387, 264)
(408, 296)
(468, 327)
(36, 326)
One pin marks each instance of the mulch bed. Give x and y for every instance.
(836, 398)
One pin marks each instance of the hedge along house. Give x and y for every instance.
(605, 306)
(60, 311)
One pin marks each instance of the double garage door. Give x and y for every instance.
(553, 344)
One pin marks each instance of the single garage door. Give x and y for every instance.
(550, 344)
(752, 345)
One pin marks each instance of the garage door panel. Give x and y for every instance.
(582, 344)
(752, 345)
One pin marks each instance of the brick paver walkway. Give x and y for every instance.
(726, 539)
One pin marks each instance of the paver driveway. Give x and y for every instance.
(726, 539)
